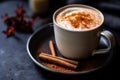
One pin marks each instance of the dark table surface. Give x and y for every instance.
(15, 64)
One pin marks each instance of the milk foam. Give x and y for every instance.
(79, 18)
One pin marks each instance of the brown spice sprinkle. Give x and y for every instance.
(57, 67)
(85, 65)
(80, 19)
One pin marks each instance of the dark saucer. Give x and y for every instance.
(39, 42)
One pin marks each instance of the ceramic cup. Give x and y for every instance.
(76, 43)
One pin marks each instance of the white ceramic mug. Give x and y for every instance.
(83, 43)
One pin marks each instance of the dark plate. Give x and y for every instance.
(39, 42)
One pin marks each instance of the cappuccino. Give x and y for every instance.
(79, 18)
(78, 30)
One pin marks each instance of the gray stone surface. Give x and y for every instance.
(15, 63)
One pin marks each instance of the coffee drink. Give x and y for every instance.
(79, 18)
(78, 29)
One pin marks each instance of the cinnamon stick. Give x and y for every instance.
(52, 48)
(64, 59)
(58, 60)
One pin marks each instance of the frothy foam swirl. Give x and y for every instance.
(79, 19)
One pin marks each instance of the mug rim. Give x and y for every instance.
(77, 5)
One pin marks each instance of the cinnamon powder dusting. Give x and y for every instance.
(80, 20)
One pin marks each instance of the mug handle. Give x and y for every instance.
(111, 41)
